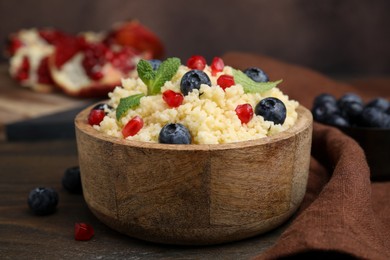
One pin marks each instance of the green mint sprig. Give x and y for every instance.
(127, 103)
(154, 80)
(251, 86)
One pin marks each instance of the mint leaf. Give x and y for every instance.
(146, 72)
(251, 86)
(127, 103)
(165, 72)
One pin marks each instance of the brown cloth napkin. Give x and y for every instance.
(343, 213)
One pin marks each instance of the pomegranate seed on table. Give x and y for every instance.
(225, 81)
(83, 231)
(133, 127)
(244, 113)
(196, 62)
(172, 98)
(217, 65)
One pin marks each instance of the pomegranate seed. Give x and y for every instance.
(83, 231)
(244, 113)
(66, 48)
(24, 70)
(94, 59)
(217, 65)
(13, 45)
(44, 75)
(133, 126)
(51, 36)
(173, 98)
(225, 81)
(122, 59)
(196, 62)
(96, 116)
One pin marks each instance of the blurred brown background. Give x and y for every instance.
(350, 37)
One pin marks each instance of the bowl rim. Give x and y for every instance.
(304, 120)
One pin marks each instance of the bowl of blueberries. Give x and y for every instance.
(366, 122)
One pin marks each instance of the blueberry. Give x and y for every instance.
(348, 98)
(373, 117)
(192, 80)
(380, 103)
(43, 201)
(351, 106)
(256, 74)
(272, 109)
(155, 64)
(174, 134)
(336, 120)
(323, 98)
(71, 180)
(322, 111)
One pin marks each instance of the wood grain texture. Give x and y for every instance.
(194, 194)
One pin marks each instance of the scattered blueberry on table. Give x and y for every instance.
(43, 201)
(71, 180)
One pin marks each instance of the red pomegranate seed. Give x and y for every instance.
(24, 70)
(13, 45)
(133, 126)
(225, 81)
(96, 116)
(123, 59)
(173, 98)
(83, 231)
(51, 36)
(66, 48)
(196, 62)
(44, 75)
(244, 113)
(217, 65)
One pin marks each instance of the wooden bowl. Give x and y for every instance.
(194, 194)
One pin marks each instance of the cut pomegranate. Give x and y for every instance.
(133, 126)
(83, 231)
(196, 62)
(217, 65)
(244, 113)
(24, 70)
(172, 98)
(96, 116)
(225, 81)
